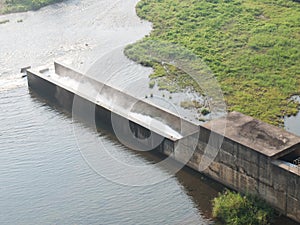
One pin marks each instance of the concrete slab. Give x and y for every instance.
(267, 139)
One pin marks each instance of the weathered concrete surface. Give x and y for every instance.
(257, 135)
(248, 160)
(156, 119)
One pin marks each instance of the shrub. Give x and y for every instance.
(234, 209)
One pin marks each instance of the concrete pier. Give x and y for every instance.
(251, 157)
(257, 158)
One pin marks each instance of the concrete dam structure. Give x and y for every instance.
(250, 157)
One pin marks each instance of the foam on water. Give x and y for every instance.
(11, 82)
(153, 122)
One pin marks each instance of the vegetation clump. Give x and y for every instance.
(205, 111)
(252, 48)
(151, 83)
(11, 6)
(235, 209)
(190, 104)
(4, 21)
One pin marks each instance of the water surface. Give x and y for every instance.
(44, 178)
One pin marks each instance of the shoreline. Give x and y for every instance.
(18, 6)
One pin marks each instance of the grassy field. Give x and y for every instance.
(252, 47)
(11, 6)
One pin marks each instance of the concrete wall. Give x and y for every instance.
(248, 171)
(122, 103)
(245, 170)
(128, 132)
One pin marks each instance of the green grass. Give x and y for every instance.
(11, 6)
(234, 209)
(252, 47)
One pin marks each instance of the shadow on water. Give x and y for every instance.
(199, 187)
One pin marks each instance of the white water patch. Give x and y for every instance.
(153, 122)
(11, 82)
(92, 93)
(65, 81)
(85, 89)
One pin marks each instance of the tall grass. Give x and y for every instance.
(253, 48)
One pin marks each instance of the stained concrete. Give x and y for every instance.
(252, 160)
(269, 140)
(159, 120)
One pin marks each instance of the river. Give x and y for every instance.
(43, 175)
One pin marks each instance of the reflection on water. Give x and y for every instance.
(292, 123)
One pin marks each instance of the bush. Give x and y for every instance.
(235, 209)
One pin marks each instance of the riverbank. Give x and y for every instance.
(251, 47)
(13, 6)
